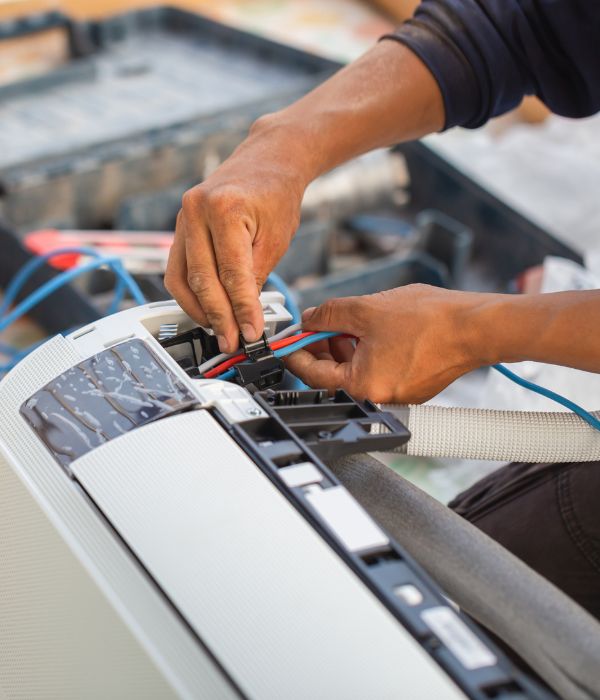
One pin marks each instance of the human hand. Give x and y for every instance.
(411, 343)
(234, 227)
(232, 230)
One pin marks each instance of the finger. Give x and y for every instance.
(176, 278)
(345, 315)
(233, 251)
(341, 349)
(307, 313)
(204, 282)
(319, 347)
(320, 374)
(323, 355)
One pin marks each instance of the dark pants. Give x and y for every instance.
(548, 515)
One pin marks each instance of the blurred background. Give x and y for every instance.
(110, 110)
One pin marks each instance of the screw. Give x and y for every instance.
(253, 411)
(324, 434)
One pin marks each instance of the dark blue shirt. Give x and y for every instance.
(487, 54)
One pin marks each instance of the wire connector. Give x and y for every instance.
(262, 369)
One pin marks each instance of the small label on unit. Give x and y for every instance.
(458, 638)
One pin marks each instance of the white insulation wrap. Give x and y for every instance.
(507, 436)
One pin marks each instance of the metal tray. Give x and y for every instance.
(147, 99)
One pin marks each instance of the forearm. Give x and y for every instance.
(385, 97)
(558, 328)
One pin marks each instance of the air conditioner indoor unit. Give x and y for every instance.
(168, 536)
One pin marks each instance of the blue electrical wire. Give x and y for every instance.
(531, 386)
(124, 283)
(35, 263)
(30, 267)
(303, 342)
(64, 278)
(119, 295)
(563, 401)
(288, 350)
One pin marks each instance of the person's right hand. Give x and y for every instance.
(232, 230)
(234, 227)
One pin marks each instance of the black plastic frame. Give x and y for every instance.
(272, 445)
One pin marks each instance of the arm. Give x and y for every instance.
(487, 54)
(234, 227)
(557, 328)
(414, 341)
(456, 62)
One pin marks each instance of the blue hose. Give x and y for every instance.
(124, 283)
(64, 278)
(553, 396)
(35, 263)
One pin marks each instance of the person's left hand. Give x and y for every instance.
(411, 342)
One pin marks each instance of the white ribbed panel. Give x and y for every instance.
(284, 614)
(60, 639)
(143, 611)
(508, 436)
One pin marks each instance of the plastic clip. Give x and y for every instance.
(262, 369)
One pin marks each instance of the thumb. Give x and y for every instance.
(345, 315)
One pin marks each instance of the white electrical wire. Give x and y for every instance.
(286, 332)
(214, 361)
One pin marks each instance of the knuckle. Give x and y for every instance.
(263, 123)
(225, 202)
(216, 318)
(232, 276)
(362, 309)
(199, 282)
(243, 310)
(191, 200)
(260, 280)
(241, 288)
(419, 288)
(327, 311)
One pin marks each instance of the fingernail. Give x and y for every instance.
(223, 344)
(249, 332)
(308, 313)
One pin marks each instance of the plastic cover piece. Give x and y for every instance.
(103, 397)
(335, 426)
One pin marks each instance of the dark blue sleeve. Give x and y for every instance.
(487, 54)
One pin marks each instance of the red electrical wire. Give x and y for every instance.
(284, 342)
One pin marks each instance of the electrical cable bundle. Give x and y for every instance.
(282, 348)
(125, 283)
(220, 367)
